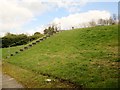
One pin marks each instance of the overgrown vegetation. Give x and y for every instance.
(87, 57)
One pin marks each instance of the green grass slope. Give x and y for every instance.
(87, 57)
(7, 51)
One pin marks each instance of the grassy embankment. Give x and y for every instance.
(87, 57)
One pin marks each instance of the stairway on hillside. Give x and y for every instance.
(31, 44)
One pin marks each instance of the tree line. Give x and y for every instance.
(51, 29)
(10, 39)
(14, 40)
(101, 22)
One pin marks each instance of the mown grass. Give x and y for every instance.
(4, 52)
(87, 57)
(7, 51)
(31, 80)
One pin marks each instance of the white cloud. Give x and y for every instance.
(70, 5)
(37, 29)
(14, 14)
(35, 6)
(75, 20)
(73, 9)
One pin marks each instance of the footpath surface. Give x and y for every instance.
(8, 82)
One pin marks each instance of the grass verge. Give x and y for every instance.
(31, 80)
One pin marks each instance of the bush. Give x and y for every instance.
(16, 40)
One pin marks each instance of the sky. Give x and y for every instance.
(30, 16)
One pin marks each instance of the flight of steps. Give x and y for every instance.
(32, 44)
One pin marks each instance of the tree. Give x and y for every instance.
(51, 29)
(72, 27)
(45, 31)
(110, 21)
(0, 42)
(37, 33)
(92, 23)
(20, 39)
(102, 22)
(35, 36)
(114, 18)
